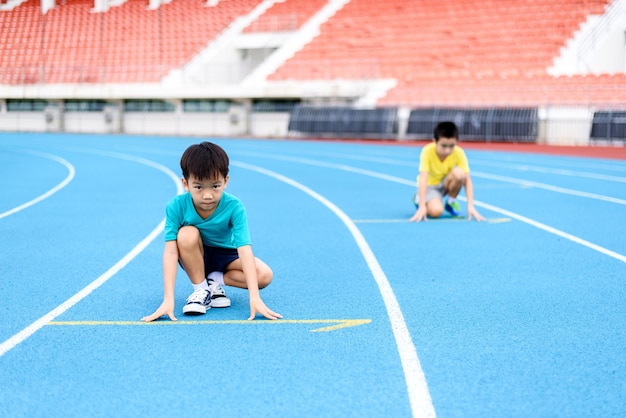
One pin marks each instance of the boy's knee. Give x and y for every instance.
(187, 236)
(435, 213)
(265, 277)
(434, 208)
(458, 174)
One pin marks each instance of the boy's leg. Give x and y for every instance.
(434, 207)
(233, 276)
(453, 183)
(434, 201)
(215, 261)
(191, 256)
(191, 253)
(218, 296)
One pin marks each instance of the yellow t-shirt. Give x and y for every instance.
(437, 169)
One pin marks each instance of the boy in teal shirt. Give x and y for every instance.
(206, 232)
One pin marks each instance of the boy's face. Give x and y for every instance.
(206, 194)
(445, 146)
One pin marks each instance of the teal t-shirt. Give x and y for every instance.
(227, 227)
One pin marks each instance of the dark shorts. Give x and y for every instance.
(217, 259)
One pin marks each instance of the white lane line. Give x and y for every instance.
(50, 192)
(554, 231)
(41, 322)
(545, 170)
(505, 179)
(521, 218)
(419, 395)
(544, 186)
(507, 165)
(606, 166)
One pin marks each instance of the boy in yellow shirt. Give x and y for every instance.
(443, 172)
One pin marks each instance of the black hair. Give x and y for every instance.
(446, 130)
(205, 161)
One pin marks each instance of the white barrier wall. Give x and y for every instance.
(565, 125)
(558, 125)
(149, 123)
(23, 122)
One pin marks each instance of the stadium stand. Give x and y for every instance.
(285, 16)
(128, 43)
(485, 52)
(475, 59)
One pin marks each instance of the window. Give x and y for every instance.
(206, 105)
(85, 105)
(26, 105)
(148, 106)
(274, 105)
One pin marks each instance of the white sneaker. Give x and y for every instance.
(198, 302)
(218, 297)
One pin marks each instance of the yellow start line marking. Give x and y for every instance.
(338, 323)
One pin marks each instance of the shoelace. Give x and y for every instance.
(198, 296)
(216, 290)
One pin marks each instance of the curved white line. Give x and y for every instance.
(510, 165)
(477, 174)
(521, 218)
(419, 396)
(41, 322)
(50, 192)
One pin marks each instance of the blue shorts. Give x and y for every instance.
(217, 259)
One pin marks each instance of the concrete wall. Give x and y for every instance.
(558, 125)
(236, 122)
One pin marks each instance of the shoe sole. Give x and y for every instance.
(222, 302)
(195, 309)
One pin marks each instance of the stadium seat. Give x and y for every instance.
(424, 42)
(129, 36)
(471, 51)
(287, 15)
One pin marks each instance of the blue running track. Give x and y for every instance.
(519, 316)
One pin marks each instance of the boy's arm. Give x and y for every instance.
(249, 271)
(422, 188)
(469, 194)
(170, 268)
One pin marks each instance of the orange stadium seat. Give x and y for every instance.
(472, 51)
(128, 42)
(424, 43)
(286, 15)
